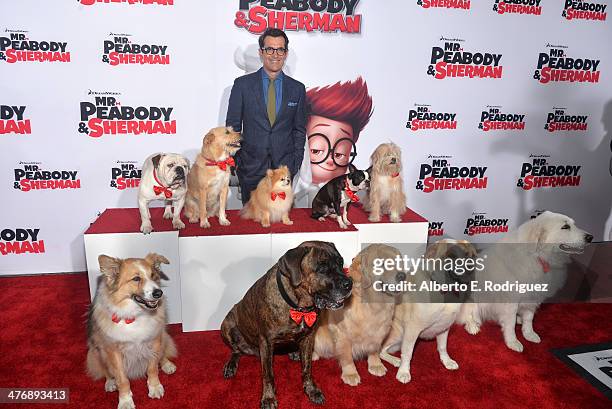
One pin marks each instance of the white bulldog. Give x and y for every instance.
(163, 178)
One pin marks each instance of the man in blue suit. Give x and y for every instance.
(268, 107)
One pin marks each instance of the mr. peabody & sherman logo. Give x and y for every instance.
(440, 175)
(106, 115)
(584, 10)
(18, 47)
(557, 66)
(518, 7)
(494, 119)
(326, 16)
(423, 117)
(560, 120)
(121, 50)
(125, 175)
(539, 173)
(454, 62)
(13, 120)
(21, 240)
(31, 176)
(479, 224)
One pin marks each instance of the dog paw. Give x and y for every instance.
(229, 369)
(377, 370)
(403, 377)
(167, 215)
(169, 368)
(515, 345)
(532, 337)
(269, 403)
(193, 220)
(472, 328)
(146, 228)
(205, 224)
(265, 225)
(352, 379)
(374, 219)
(178, 224)
(316, 396)
(348, 223)
(343, 226)
(395, 219)
(288, 222)
(393, 360)
(156, 391)
(449, 364)
(321, 219)
(126, 402)
(110, 385)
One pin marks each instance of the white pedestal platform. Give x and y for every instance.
(211, 269)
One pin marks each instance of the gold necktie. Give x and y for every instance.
(271, 102)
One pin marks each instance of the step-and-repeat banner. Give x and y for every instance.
(502, 108)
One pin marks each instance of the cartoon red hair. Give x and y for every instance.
(347, 102)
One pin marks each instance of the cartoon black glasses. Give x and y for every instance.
(342, 153)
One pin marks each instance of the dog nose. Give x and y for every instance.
(393, 160)
(180, 171)
(588, 237)
(157, 293)
(399, 277)
(346, 284)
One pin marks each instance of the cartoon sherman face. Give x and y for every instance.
(337, 114)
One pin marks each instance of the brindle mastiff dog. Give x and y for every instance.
(280, 311)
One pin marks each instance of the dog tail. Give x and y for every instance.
(247, 211)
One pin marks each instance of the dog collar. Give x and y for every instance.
(349, 192)
(281, 195)
(545, 265)
(221, 164)
(395, 175)
(117, 320)
(161, 188)
(297, 314)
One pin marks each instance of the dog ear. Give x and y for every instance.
(156, 160)
(366, 268)
(156, 261)
(209, 138)
(290, 264)
(109, 267)
(269, 173)
(352, 168)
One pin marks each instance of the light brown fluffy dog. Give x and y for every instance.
(208, 179)
(359, 329)
(127, 335)
(426, 314)
(386, 192)
(272, 200)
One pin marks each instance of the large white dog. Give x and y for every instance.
(536, 253)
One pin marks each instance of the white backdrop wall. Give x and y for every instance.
(205, 50)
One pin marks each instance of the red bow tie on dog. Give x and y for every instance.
(281, 195)
(222, 164)
(349, 192)
(117, 320)
(161, 188)
(309, 317)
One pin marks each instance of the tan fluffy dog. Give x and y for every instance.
(208, 180)
(271, 201)
(426, 315)
(386, 192)
(127, 335)
(359, 329)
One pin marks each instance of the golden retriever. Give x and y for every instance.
(208, 179)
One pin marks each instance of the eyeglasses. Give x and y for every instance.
(271, 50)
(342, 153)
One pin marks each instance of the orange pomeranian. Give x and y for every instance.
(271, 201)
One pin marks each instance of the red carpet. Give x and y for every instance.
(43, 344)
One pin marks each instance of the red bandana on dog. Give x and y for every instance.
(309, 317)
(222, 164)
(161, 188)
(395, 175)
(544, 264)
(117, 320)
(281, 195)
(349, 192)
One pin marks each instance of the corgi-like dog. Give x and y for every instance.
(272, 200)
(126, 326)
